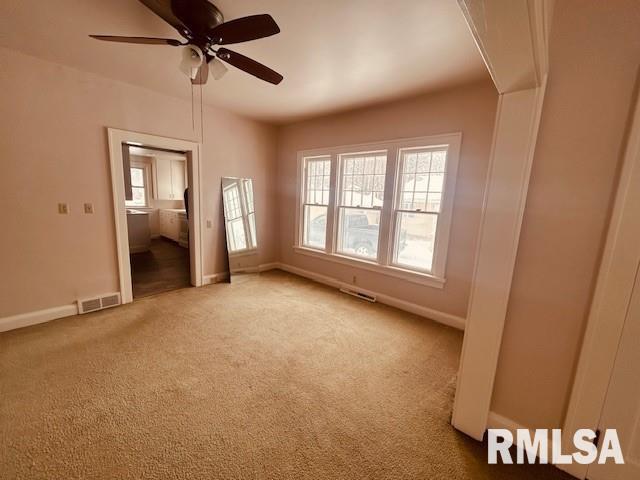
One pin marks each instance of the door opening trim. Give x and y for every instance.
(193, 152)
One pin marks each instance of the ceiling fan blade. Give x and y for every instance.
(244, 29)
(163, 9)
(141, 40)
(250, 66)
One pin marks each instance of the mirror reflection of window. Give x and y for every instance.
(233, 217)
(251, 213)
(239, 212)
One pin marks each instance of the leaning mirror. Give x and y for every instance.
(240, 225)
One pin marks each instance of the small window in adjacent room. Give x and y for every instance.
(420, 190)
(317, 175)
(138, 188)
(360, 201)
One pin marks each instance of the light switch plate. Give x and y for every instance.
(63, 208)
(88, 208)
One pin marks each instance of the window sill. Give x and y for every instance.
(392, 271)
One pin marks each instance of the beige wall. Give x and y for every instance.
(595, 52)
(53, 148)
(470, 110)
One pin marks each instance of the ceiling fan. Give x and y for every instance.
(203, 27)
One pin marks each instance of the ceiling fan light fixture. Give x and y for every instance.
(192, 58)
(217, 69)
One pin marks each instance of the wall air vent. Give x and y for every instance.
(110, 300)
(98, 303)
(355, 293)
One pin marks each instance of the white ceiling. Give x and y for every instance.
(334, 54)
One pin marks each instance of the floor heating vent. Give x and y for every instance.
(98, 303)
(355, 293)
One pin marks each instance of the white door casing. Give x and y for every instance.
(611, 300)
(622, 406)
(193, 152)
(513, 40)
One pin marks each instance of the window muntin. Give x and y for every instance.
(138, 188)
(420, 188)
(361, 198)
(317, 178)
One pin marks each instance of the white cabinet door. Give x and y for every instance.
(177, 179)
(174, 227)
(164, 223)
(622, 407)
(163, 179)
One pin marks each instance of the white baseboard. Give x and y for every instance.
(39, 316)
(224, 276)
(496, 420)
(440, 317)
(269, 266)
(215, 278)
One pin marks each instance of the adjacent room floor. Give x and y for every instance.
(272, 377)
(164, 267)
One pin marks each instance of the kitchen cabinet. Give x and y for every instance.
(172, 224)
(178, 179)
(169, 178)
(138, 230)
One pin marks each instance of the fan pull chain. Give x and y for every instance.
(193, 118)
(201, 116)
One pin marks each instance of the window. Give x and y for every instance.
(317, 175)
(138, 188)
(420, 188)
(360, 203)
(401, 230)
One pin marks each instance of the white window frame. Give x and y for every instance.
(303, 198)
(339, 206)
(437, 276)
(444, 215)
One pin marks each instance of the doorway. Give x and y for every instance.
(156, 193)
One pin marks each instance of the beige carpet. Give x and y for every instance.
(270, 378)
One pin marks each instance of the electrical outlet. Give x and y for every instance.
(63, 208)
(353, 280)
(208, 223)
(88, 208)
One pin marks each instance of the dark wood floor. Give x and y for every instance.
(164, 267)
